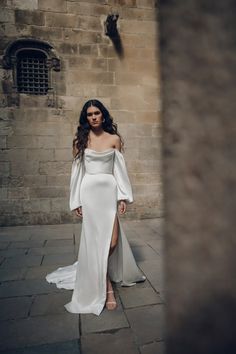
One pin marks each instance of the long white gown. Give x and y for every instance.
(97, 183)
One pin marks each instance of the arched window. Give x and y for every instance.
(32, 72)
(32, 61)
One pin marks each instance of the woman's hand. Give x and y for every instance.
(78, 212)
(122, 206)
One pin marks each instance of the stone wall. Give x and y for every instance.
(198, 58)
(36, 131)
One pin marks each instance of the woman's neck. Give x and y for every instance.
(99, 131)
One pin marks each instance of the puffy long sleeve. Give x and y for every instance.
(77, 174)
(124, 189)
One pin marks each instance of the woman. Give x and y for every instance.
(99, 190)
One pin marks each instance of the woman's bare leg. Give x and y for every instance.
(111, 301)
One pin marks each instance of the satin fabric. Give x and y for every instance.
(97, 183)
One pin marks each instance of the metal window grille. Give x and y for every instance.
(32, 72)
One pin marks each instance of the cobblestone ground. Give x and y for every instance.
(33, 318)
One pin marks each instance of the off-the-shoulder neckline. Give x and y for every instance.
(101, 152)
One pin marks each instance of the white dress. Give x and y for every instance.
(97, 183)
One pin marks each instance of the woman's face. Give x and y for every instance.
(94, 116)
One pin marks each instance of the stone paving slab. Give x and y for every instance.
(7, 274)
(12, 252)
(27, 244)
(22, 261)
(136, 242)
(26, 287)
(116, 342)
(49, 232)
(138, 297)
(1, 260)
(4, 245)
(39, 330)
(156, 245)
(39, 272)
(52, 250)
(153, 348)
(59, 259)
(15, 308)
(50, 303)
(68, 347)
(59, 243)
(157, 225)
(145, 233)
(153, 269)
(143, 253)
(107, 320)
(147, 323)
(15, 236)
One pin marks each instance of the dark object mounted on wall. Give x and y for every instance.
(112, 32)
(111, 25)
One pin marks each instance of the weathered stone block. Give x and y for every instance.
(20, 141)
(9, 207)
(19, 168)
(127, 78)
(90, 77)
(99, 64)
(138, 14)
(40, 154)
(88, 49)
(47, 192)
(68, 48)
(59, 180)
(147, 117)
(126, 3)
(7, 15)
(60, 204)
(46, 33)
(61, 20)
(146, 3)
(25, 4)
(37, 205)
(79, 62)
(6, 128)
(3, 193)
(106, 51)
(3, 142)
(93, 23)
(53, 5)
(15, 154)
(138, 26)
(34, 180)
(18, 193)
(63, 154)
(85, 8)
(54, 168)
(5, 168)
(30, 17)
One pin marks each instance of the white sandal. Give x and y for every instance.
(111, 302)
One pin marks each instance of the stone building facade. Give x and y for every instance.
(82, 63)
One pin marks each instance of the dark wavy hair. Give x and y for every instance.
(81, 137)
